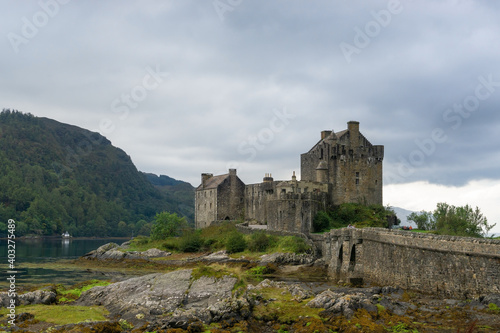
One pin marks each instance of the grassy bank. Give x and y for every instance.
(222, 237)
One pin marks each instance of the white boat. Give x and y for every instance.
(66, 235)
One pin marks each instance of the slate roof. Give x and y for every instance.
(213, 182)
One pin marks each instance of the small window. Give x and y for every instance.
(321, 154)
(357, 178)
(376, 181)
(210, 205)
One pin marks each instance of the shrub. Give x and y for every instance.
(235, 243)
(191, 242)
(293, 244)
(259, 242)
(322, 222)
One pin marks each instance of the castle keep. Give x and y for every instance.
(341, 167)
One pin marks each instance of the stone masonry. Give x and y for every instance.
(341, 167)
(445, 265)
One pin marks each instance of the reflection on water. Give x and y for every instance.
(54, 253)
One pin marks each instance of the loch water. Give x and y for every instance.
(44, 260)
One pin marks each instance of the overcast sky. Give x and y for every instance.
(186, 87)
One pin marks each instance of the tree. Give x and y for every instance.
(461, 221)
(424, 220)
(167, 225)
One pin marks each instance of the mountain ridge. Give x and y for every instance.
(57, 177)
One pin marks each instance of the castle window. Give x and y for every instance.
(376, 181)
(357, 178)
(210, 205)
(321, 154)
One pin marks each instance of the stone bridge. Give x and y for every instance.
(445, 265)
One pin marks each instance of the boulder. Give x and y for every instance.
(155, 253)
(34, 297)
(491, 298)
(287, 258)
(149, 295)
(171, 300)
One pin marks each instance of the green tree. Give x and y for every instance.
(424, 220)
(167, 225)
(461, 221)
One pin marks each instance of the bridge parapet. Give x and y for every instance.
(453, 266)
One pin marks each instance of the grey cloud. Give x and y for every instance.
(227, 78)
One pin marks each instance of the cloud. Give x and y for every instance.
(419, 196)
(227, 77)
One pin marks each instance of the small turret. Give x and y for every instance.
(322, 172)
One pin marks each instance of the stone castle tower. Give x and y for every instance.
(342, 167)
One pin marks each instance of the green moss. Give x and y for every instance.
(63, 314)
(69, 295)
(492, 307)
(283, 309)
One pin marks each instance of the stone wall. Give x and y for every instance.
(294, 211)
(205, 207)
(230, 198)
(445, 265)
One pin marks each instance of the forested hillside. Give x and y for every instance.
(56, 177)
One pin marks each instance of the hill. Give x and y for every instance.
(402, 214)
(176, 191)
(56, 177)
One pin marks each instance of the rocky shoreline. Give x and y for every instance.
(214, 296)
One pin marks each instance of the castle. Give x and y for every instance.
(342, 167)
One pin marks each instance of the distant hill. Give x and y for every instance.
(56, 177)
(176, 191)
(402, 214)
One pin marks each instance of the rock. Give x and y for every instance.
(34, 297)
(170, 300)
(151, 295)
(298, 293)
(23, 317)
(112, 254)
(100, 251)
(491, 298)
(217, 256)
(155, 253)
(208, 290)
(324, 300)
(111, 251)
(125, 245)
(287, 258)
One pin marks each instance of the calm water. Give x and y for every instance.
(42, 260)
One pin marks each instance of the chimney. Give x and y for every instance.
(325, 134)
(232, 172)
(205, 177)
(353, 127)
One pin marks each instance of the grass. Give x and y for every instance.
(63, 314)
(216, 237)
(283, 309)
(70, 295)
